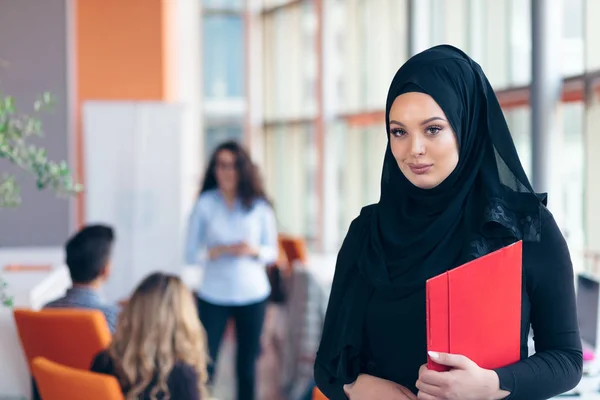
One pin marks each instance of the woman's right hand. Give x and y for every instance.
(368, 387)
(238, 250)
(218, 251)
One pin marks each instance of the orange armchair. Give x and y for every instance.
(58, 382)
(317, 395)
(71, 337)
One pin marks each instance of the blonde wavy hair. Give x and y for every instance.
(158, 327)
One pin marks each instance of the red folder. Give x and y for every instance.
(475, 310)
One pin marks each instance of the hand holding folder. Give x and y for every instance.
(475, 310)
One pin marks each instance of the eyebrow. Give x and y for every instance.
(428, 120)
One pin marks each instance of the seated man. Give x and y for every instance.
(88, 259)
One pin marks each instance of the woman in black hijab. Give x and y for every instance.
(452, 190)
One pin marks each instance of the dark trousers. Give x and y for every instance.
(249, 321)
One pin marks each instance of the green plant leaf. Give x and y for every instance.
(15, 131)
(9, 105)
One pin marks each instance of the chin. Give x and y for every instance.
(424, 183)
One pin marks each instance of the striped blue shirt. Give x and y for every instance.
(231, 280)
(82, 297)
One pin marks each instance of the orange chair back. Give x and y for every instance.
(294, 247)
(317, 395)
(58, 382)
(282, 258)
(71, 337)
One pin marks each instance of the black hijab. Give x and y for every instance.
(413, 234)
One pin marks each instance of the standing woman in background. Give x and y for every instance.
(233, 228)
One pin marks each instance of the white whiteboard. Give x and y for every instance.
(133, 170)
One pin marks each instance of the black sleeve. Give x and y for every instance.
(330, 387)
(183, 382)
(557, 365)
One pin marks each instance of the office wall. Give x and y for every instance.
(124, 51)
(34, 47)
(128, 189)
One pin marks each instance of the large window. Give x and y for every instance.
(223, 4)
(496, 33)
(359, 152)
(591, 213)
(290, 177)
(223, 55)
(224, 66)
(520, 43)
(519, 123)
(592, 33)
(358, 59)
(572, 165)
(217, 134)
(365, 54)
(290, 111)
(573, 57)
(592, 184)
(381, 61)
(290, 62)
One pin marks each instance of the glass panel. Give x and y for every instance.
(438, 21)
(519, 123)
(384, 47)
(290, 177)
(572, 167)
(592, 186)
(349, 45)
(350, 173)
(223, 56)
(275, 3)
(216, 135)
(358, 181)
(497, 61)
(223, 4)
(592, 33)
(573, 58)
(454, 15)
(520, 42)
(290, 62)
(477, 31)
(369, 53)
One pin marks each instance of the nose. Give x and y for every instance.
(417, 145)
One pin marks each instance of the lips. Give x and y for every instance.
(420, 169)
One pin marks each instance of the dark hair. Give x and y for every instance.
(88, 252)
(250, 186)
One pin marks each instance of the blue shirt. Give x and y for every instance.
(231, 280)
(82, 297)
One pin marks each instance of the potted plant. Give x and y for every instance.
(16, 133)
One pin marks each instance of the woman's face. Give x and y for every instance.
(226, 172)
(422, 140)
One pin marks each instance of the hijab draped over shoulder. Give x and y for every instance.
(413, 234)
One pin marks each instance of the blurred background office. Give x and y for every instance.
(146, 89)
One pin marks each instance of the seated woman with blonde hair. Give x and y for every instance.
(159, 347)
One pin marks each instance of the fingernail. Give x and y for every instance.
(433, 354)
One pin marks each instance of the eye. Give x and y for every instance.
(398, 132)
(434, 130)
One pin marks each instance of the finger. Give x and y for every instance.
(433, 378)
(348, 387)
(428, 389)
(426, 396)
(451, 360)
